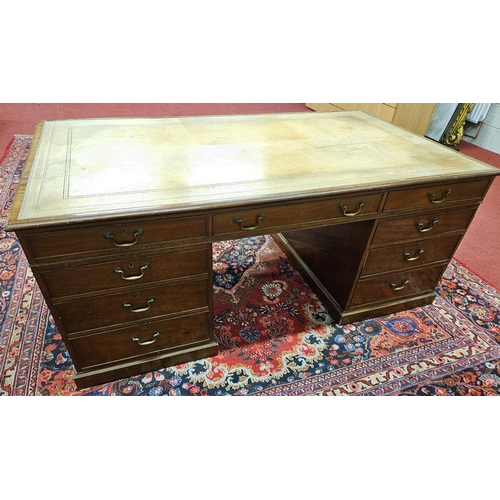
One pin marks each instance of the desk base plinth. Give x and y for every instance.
(91, 377)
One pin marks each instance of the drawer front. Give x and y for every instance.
(260, 221)
(440, 194)
(125, 273)
(406, 255)
(422, 226)
(123, 307)
(114, 237)
(140, 340)
(397, 285)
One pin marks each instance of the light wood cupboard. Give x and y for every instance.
(414, 117)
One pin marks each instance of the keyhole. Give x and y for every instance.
(123, 230)
(137, 294)
(303, 209)
(131, 264)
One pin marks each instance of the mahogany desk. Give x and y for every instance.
(117, 218)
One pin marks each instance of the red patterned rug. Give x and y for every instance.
(275, 336)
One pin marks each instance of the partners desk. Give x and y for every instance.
(117, 218)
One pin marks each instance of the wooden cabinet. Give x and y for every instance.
(407, 255)
(411, 116)
(389, 262)
(131, 302)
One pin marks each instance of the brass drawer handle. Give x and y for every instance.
(118, 270)
(141, 309)
(420, 226)
(432, 199)
(146, 342)
(406, 255)
(110, 236)
(400, 287)
(343, 208)
(237, 220)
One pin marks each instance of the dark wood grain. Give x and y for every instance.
(103, 277)
(406, 228)
(45, 245)
(386, 259)
(332, 254)
(322, 212)
(472, 191)
(379, 289)
(119, 345)
(107, 310)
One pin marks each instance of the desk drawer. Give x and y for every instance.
(394, 286)
(441, 194)
(125, 273)
(118, 308)
(98, 349)
(262, 220)
(113, 237)
(422, 226)
(406, 255)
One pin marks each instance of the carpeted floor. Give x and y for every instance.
(275, 336)
(476, 251)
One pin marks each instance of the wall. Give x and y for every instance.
(488, 136)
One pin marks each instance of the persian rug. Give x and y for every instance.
(275, 336)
